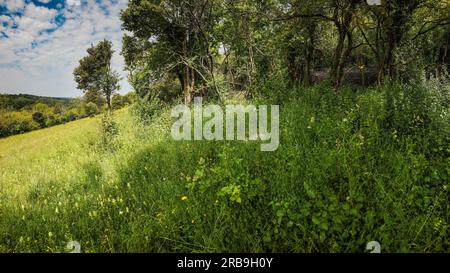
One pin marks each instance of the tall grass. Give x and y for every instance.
(350, 169)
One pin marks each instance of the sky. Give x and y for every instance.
(41, 42)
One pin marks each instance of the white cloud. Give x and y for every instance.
(39, 13)
(13, 5)
(73, 2)
(41, 62)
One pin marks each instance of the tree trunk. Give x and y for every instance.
(310, 46)
(341, 53)
(343, 61)
(188, 86)
(338, 55)
(108, 101)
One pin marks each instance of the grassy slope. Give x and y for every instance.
(46, 171)
(42, 155)
(332, 186)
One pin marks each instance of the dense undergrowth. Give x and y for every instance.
(358, 167)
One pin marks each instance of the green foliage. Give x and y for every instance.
(26, 102)
(109, 131)
(12, 123)
(144, 109)
(170, 40)
(94, 73)
(94, 97)
(42, 112)
(39, 118)
(91, 109)
(340, 179)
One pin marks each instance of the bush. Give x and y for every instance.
(39, 118)
(91, 109)
(144, 109)
(119, 101)
(12, 123)
(109, 131)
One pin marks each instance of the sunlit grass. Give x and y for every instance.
(43, 155)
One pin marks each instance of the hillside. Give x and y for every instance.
(336, 182)
(20, 101)
(24, 113)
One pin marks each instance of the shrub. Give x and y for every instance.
(144, 109)
(109, 131)
(12, 123)
(91, 109)
(39, 118)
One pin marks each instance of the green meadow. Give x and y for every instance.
(350, 169)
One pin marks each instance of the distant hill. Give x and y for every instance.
(21, 101)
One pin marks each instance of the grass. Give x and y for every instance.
(343, 176)
(42, 155)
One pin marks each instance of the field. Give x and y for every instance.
(342, 177)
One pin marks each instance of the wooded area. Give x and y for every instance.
(215, 46)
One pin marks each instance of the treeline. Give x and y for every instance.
(20, 101)
(25, 113)
(182, 48)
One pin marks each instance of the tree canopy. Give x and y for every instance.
(208, 44)
(95, 75)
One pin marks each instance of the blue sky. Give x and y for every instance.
(41, 42)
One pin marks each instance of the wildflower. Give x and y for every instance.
(201, 161)
(184, 198)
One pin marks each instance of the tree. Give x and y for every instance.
(244, 42)
(169, 37)
(91, 109)
(397, 22)
(39, 118)
(94, 96)
(341, 13)
(41, 107)
(95, 74)
(119, 101)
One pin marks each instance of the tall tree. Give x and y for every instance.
(176, 35)
(95, 74)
